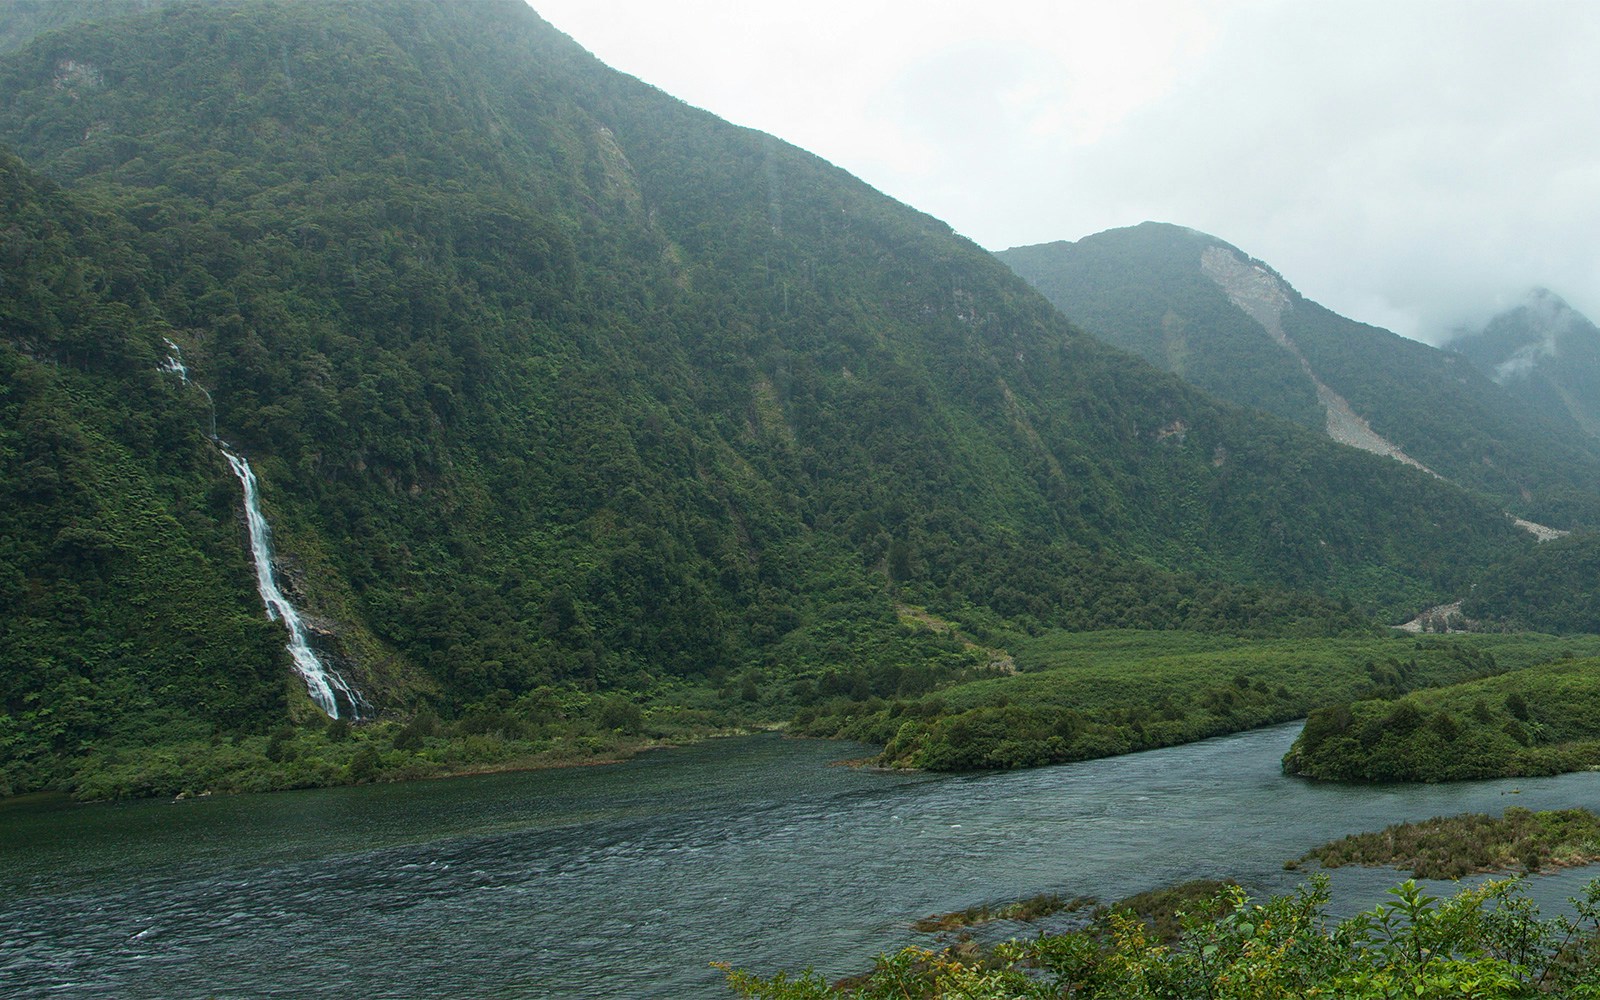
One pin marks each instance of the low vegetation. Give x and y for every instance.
(549, 727)
(1162, 911)
(1484, 942)
(1021, 911)
(1078, 696)
(1541, 720)
(1473, 843)
(1066, 696)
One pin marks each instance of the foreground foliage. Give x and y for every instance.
(1487, 942)
(1454, 846)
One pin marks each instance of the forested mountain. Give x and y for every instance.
(1231, 325)
(553, 382)
(27, 19)
(1544, 352)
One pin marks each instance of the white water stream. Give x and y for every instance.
(325, 686)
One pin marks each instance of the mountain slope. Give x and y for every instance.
(128, 612)
(1545, 353)
(1231, 325)
(551, 380)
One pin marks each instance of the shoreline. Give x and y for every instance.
(184, 772)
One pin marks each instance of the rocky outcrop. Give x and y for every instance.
(1264, 297)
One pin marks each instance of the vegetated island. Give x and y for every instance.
(1159, 909)
(1544, 719)
(1472, 844)
(1021, 910)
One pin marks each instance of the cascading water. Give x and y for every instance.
(326, 687)
(173, 363)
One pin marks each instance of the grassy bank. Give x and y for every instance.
(1021, 910)
(1057, 697)
(549, 728)
(1078, 696)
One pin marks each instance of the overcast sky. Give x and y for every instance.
(1411, 164)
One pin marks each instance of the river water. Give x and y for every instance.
(629, 880)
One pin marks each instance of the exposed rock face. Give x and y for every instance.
(1264, 297)
(1542, 532)
(1442, 618)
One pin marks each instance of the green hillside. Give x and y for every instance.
(1540, 720)
(1156, 290)
(553, 383)
(1550, 589)
(1142, 289)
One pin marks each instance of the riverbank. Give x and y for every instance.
(1544, 719)
(339, 754)
(1084, 696)
(1070, 697)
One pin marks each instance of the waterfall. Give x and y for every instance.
(173, 363)
(325, 686)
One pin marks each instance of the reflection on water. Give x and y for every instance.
(628, 880)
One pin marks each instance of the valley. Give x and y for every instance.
(542, 455)
(393, 391)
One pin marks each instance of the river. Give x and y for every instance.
(629, 880)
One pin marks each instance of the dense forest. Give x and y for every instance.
(577, 414)
(1544, 719)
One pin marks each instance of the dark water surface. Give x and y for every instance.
(628, 880)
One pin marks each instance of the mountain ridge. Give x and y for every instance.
(1147, 288)
(1263, 295)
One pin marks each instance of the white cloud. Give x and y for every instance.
(1411, 164)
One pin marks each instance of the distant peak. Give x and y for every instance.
(1174, 229)
(1550, 314)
